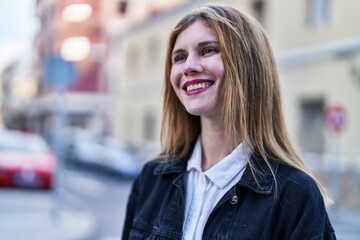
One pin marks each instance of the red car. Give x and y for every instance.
(26, 160)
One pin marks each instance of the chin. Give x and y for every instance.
(198, 111)
(194, 112)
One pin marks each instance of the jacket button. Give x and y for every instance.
(234, 199)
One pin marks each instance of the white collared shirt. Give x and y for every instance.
(205, 189)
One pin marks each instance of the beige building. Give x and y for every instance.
(317, 46)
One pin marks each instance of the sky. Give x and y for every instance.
(18, 26)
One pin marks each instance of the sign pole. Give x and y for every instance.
(335, 119)
(59, 123)
(60, 74)
(335, 166)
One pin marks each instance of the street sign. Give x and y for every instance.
(58, 72)
(335, 118)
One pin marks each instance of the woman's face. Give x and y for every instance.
(197, 72)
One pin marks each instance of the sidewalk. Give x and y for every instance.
(31, 215)
(346, 223)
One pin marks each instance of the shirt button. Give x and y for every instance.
(192, 213)
(234, 199)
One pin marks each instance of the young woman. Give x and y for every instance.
(228, 169)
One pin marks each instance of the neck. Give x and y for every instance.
(214, 146)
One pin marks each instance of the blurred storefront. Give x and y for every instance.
(18, 87)
(72, 31)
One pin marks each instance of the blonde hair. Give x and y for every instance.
(253, 112)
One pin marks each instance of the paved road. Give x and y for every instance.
(91, 206)
(31, 215)
(102, 195)
(95, 204)
(346, 223)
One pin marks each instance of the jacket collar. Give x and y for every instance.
(258, 179)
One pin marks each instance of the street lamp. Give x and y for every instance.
(75, 49)
(77, 12)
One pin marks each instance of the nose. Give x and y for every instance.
(192, 65)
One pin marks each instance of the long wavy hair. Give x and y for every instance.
(253, 111)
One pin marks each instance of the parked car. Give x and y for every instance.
(26, 160)
(103, 152)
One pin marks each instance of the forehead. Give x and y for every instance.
(197, 31)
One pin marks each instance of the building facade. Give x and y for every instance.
(317, 47)
(71, 46)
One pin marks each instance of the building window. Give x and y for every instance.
(154, 50)
(318, 12)
(312, 125)
(258, 7)
(122, 7)
(133, 61)
(149, 125)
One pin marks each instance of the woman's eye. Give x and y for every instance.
(179, 58)
(209, 51)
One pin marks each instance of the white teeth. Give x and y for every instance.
(197, 86)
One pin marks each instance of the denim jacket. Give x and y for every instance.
(291, 208)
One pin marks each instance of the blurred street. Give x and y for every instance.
(346, 223)
(93, 207)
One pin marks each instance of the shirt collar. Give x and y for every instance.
(259, 180)
(222, 173)
(228, 168)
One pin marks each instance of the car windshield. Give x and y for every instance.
(22, 143)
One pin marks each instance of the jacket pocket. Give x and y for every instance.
(141, 231)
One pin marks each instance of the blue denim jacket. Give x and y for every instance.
(293, 208)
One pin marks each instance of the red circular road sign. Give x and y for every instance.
(335, 118)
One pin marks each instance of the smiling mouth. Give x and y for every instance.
(197, 86)
(193, 86)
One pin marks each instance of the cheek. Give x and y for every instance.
(216, 67)
(219, 69)
(220, 72)
(174, 78)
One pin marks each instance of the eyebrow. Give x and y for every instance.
(200, 44)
